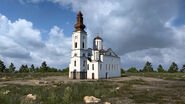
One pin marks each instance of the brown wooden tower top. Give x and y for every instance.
(79, 26)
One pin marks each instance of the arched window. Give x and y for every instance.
(106, 66)
(83, 54)
(75, 54)
(75, 44)
(92, 66)
(100, 66)
(84, 63)
(83, 45)
(88, 67)
(74, 63)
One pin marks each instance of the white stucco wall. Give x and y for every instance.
(110, 65)
(78, 53)
(90, 70)
(102, 63)
(100, 69)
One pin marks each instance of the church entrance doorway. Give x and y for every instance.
(106, 75)
(74, 74)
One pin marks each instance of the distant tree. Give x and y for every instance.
(173, 68)
(132, 70)
(160, 68)
(23, 68)
(122, 70)
(183, 68)
(2, 66)
(44, 67)
(12, 67)
(32, 68)
(26, 69)
(148, 67)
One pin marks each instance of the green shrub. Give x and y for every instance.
(132, 70)
(122, 70)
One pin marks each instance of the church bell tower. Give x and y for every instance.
(78, 62)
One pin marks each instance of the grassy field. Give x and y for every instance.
(26, 76)
(134, 88)
(166, 76)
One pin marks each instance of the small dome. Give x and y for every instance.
(98, 38)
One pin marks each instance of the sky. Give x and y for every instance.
(33, 31)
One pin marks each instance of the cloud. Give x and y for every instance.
(138, 30)
(22, 44)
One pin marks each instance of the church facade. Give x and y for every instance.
(91, 63)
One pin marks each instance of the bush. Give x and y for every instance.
(122, 70)
(52, 69)
(132, 70)
(66, 70)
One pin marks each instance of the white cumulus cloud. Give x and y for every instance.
(22, 44)
(138, 30)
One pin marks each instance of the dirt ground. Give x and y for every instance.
(154, 82)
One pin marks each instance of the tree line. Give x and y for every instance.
(25, 69)
(45, 68)
(148, 68)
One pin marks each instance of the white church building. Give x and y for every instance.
(91, 63)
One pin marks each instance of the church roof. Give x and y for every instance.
(96, 49)
(96, 38)
(79, 26)
(108, 52)
(103, 51)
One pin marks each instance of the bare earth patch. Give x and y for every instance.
(153, 81)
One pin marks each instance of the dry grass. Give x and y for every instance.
(134, 88)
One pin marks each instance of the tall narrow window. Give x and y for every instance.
(100, 66)
(83, 54)
(75, 44)
(74, 63)
(106, 66)
(83, 45)
(88, 67)
(84, 63)
(97, 45)
(92, 66)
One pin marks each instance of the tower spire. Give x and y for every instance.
(79, 25)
